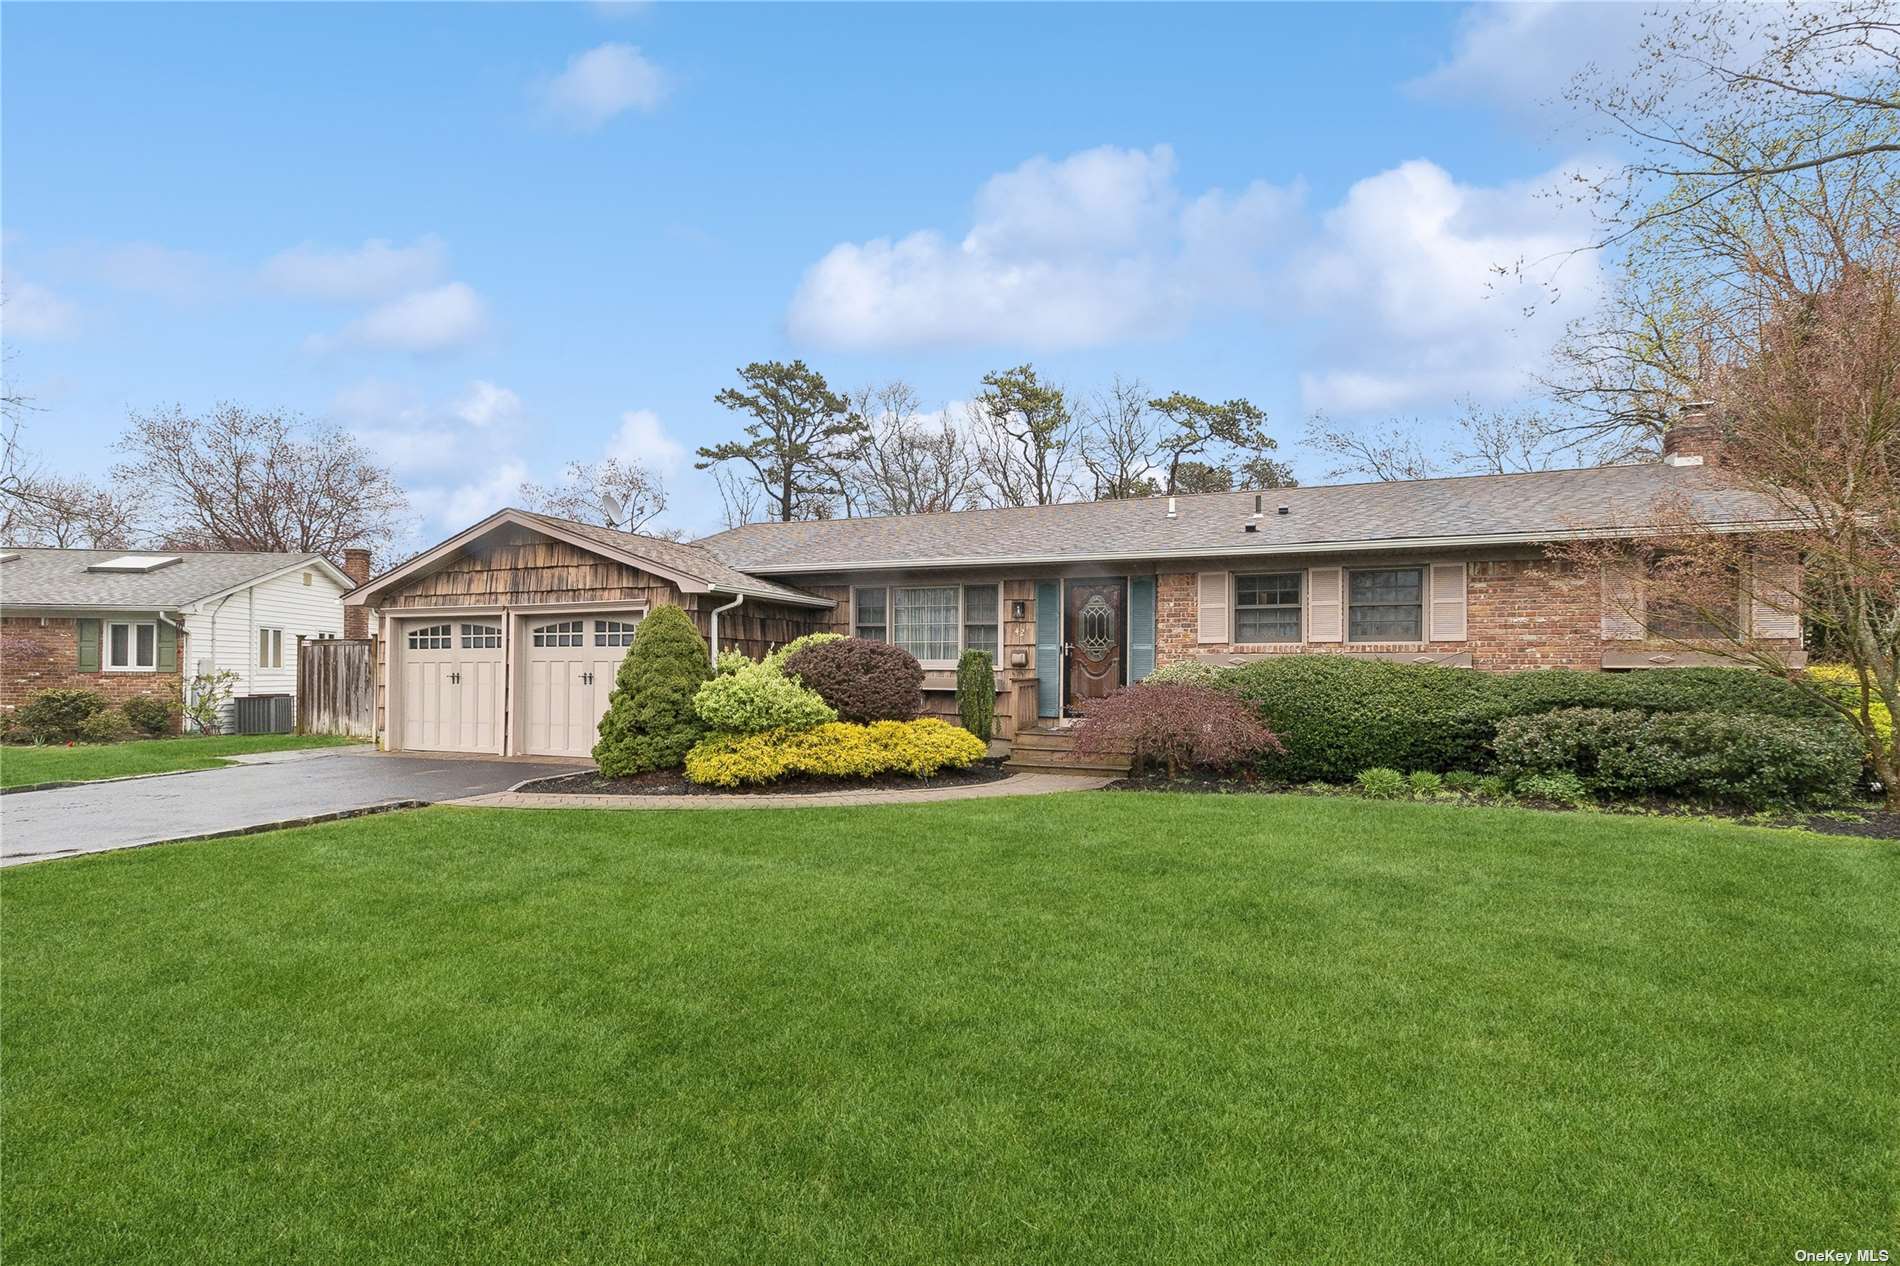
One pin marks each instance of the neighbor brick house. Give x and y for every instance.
(143, 622)
(504, 639)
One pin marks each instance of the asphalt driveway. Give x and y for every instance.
(36, 825)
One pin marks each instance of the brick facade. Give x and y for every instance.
(38, 655)
(1520, 613)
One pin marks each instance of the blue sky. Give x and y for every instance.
(493, 238)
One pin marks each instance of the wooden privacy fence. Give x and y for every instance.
(336, 687)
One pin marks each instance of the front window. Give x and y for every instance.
(565, 633)
(872, 619)
(1685, 604)
(924, 622)
(270, 648)
(1387, 604)
(1267, 608)
(613, 632)
(132, 647)
(980, 621)
(481, 637)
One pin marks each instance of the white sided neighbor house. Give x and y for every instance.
(145, 622)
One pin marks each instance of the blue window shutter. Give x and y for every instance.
(1141, 627)
(1048, 648)
(88, 646)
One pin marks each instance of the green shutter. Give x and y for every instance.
(167, 647)
(88, 646)
(1048, 648)
(1141, 627)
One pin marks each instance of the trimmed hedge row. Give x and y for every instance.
(835, 750)
(1749, 760)
(1338, 715)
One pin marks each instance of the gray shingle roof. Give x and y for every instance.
(683, 557)
(1541, 505)
(58, 577)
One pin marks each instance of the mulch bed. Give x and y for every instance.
(670, 782)
(1866, 821)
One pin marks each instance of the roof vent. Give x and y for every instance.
(8, 557)
(1251, 527)
(1284, 510)
(1256, 505)
(1170, 507)
(135, 563)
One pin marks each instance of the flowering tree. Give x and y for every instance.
(1811, 422)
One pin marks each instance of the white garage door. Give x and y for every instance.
(451, 686)
(570, 665)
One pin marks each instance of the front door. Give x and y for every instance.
(1096, 631)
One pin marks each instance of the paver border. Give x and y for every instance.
(1026, 784)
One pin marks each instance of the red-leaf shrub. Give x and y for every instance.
(863, 681)
(1177, 726)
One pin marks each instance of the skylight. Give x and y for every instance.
(135, 563)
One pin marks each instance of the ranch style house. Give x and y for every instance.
(506, 637)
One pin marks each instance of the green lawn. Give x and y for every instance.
(24, 766)
(1088, 1028)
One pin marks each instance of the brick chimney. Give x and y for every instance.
(356, 618)
(1695, 438)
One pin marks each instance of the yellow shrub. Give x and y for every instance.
(834, 750)
(1844, 684)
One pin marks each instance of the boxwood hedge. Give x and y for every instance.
(1338, 715)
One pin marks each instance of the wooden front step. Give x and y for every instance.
(1053, 751)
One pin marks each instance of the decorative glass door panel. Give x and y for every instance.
(1095, 634)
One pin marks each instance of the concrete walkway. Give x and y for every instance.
(1014, 785)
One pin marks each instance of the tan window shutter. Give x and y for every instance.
(1213, 604)
(1448, 602)
(1776, 610)
(1622, 602)
(1324, 622)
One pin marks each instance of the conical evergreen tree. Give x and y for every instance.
(650, 722)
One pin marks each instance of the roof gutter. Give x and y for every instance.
(1224, 551)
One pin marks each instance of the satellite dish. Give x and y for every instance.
(615, 511)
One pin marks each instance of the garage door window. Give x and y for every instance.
(433, 638)
(566, 633)
(613, 633)
(481, 637)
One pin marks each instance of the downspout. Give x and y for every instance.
(736, 602)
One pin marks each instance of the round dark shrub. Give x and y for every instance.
(863, 681)
(650, 723)
(151, 714)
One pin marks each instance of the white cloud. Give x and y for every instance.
(454, 507)
(1414, 271)
(375, 270)
(417, 437)
(436, 320)
(643, 438)
(32, 311)
(1395, 294)
(1092, 249)
(486, 405)
(601, 83)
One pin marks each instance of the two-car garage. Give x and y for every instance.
(458, 675)
(504, 640)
